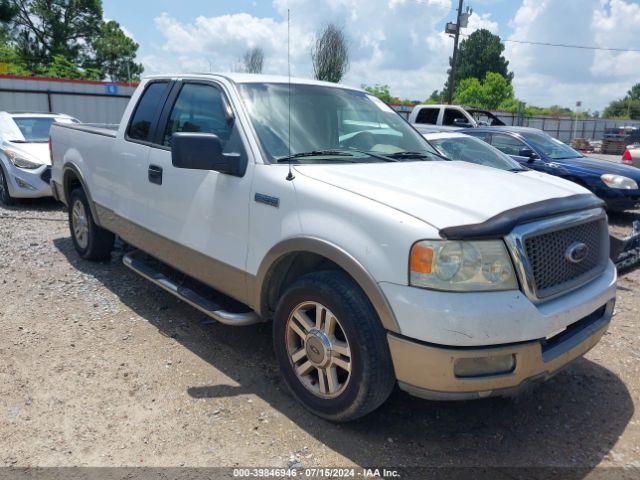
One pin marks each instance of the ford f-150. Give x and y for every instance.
(315, 206)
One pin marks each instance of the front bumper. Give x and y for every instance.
(428, 371)
(24, 183)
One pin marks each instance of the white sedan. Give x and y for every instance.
(25, 161)
(458, 146)
(632, 155)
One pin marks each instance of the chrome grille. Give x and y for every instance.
(540, 250)
(546, 255)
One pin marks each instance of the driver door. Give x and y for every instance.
(203, 213)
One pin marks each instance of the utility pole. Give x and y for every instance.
(456, 31)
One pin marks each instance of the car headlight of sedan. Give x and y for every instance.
(20, 160)
(461, 266)
(618, 181)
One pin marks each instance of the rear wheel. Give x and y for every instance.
(331, 348)
(5, 196)
(90, 241)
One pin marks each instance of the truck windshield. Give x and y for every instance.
(550, 147)
(326, 121)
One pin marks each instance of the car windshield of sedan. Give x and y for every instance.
(318, 124)
(34, 129)
(474, 150)
(550, 147)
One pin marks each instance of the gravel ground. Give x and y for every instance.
(101, 368)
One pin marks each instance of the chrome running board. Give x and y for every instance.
(187, 295)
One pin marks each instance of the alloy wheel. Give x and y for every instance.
(318, 349)
(80, 224)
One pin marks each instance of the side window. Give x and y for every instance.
(428, 115)
(198, 108)
(484, 136)
(451, 115)
(507, 144)
(146, 111)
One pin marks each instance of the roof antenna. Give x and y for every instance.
(290, 175)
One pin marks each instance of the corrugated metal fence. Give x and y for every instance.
(562, 128)
(565, 128)
(90, 102)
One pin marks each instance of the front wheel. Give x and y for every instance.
(331, 347)
(5, 196)
(90, 241)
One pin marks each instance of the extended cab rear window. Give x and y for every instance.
(146, 111)
(428, 116)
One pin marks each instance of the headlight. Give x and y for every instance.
(461, 266)
(618, 181)
(21, 161)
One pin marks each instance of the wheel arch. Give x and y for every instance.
(293, 257)
(72, 178)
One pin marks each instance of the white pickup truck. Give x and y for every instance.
(426, 118)
(317, 207)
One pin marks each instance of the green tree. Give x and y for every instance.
(383, 92)
(435, 98)
(626, 108)
(478, 55)
(330, 53)
(43, 29)
(68, 37)
(114, 54)
(634, 93)
(493, 92)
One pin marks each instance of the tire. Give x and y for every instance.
(90, 241)
(5, 196)
(342, 394)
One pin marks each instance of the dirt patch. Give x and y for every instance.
(101, 368)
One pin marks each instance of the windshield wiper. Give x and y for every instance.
(17, 141)
(348, 152)
(411, 155)
(315, 153)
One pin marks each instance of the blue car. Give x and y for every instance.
(614, 183)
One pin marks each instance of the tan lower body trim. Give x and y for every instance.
(218, 275)
(430, 368)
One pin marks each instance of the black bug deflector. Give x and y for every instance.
(503, 223)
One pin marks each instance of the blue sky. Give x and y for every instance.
(397, 42)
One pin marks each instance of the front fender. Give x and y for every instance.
(338, 256)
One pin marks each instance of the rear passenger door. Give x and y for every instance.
(428, 116)
(127, 171)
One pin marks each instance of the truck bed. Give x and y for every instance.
(105, 129)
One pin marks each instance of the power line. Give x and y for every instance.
(565, 45)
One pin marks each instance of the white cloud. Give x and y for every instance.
(401, 43)
(397, 42)
(551, 75)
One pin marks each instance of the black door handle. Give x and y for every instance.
(155, 174)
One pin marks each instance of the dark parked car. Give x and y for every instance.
(614, 183)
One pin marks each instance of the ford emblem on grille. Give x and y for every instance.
(576, 252)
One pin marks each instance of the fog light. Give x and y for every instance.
(481, 366)
(22, 184)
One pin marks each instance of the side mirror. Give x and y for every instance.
(527, 153)
(203, 151)
(462, 122)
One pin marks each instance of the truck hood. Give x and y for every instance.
(37, 151)
(442, 194)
